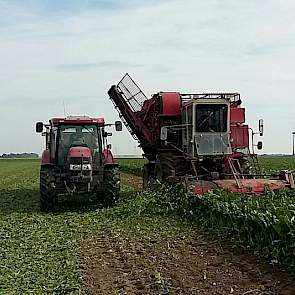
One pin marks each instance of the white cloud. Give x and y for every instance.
(190, 46)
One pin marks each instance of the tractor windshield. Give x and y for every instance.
(74, 136)
(211, 118)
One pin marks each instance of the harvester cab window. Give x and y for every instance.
(211, 117)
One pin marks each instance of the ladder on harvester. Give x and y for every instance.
(236, 174)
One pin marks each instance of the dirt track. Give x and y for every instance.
(132, 181)
(179, 263)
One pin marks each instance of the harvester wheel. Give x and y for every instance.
(111, 186)
(47, 195)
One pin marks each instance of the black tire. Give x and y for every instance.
(48, 198)
(111, 186)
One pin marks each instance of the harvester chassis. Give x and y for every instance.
(198, 136)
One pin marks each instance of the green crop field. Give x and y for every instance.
(132, 166)
(273, 164)
(40, 253)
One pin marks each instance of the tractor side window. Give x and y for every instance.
(211, 117)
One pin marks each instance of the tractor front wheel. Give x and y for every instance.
(48, 198)
(111, 185)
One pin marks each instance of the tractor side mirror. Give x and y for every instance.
(259, 145)
(39, 127)
(261, 127)
(164, 133)
(118, 126)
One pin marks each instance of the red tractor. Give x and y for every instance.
(199, 138)
(77, 160)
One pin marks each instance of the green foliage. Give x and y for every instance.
(264, 223)
(39, 253)
(131, 166)
(273, 164)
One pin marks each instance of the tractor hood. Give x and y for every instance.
(80, 159)
(79, 152)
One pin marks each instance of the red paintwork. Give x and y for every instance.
(171, 103)
(45, 157)
(82, 120)
(108, 157)
(145, 119)
(239, 131)
(240, 136)
(237, 115)
(254, 186)
(79, 152)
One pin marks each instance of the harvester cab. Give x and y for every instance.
(209, 134)
(201, 138)
(77, 160)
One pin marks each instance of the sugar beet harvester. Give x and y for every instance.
(77, 160)
(199, 138)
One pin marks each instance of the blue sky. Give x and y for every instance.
(73, 51)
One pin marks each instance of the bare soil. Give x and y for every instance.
(114, 263)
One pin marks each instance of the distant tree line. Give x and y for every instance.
(19, 156)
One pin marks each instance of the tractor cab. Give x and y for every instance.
(75, 141)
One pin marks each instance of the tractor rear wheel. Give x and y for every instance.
(48, 197)
(111, 186)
